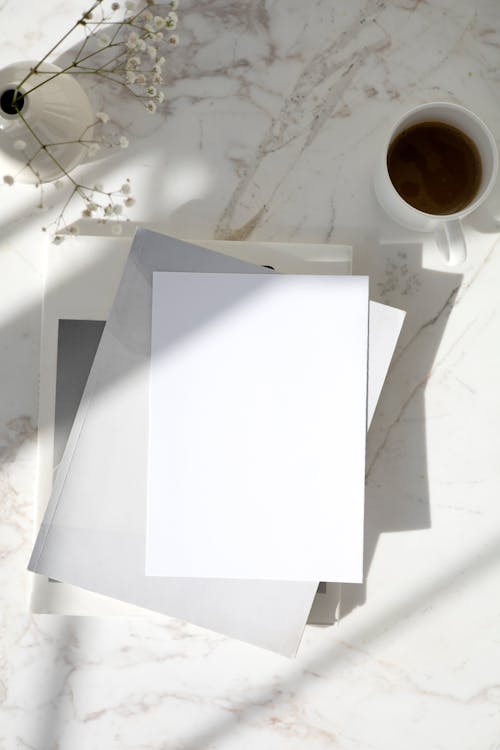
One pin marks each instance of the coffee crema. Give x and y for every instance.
(435, 167)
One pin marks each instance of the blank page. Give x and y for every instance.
(257, 426)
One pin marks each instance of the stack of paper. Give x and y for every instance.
(243, 464)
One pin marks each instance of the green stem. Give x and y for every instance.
(67, 143)
(68, 201)
(61, 40)
(117, 31)
(116, 57)
(44, 148)
(99, 73)
(110, 78)
(67, 69)
(84, 44)
(97, 52)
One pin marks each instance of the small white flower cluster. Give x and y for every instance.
(101, 206)
(102, 116)
(143, 65)
(104, 140)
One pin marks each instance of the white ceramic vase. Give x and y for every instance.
(59, 112)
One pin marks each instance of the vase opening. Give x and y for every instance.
(11, 101)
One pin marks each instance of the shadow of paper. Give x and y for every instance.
(397, 490)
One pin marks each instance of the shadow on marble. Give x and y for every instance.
(397, 490)
(74, 660)
(287, 693)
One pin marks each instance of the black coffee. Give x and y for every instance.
(435, 167)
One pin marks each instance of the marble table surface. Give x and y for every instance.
(275, 114)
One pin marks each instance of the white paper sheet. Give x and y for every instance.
(257, 426)
(385, 326)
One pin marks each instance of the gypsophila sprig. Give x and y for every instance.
(122, 44)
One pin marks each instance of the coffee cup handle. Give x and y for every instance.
(455, 238)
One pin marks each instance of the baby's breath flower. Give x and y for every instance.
(133, 39)
(8, 179)
(151, 52)
(158, 36)
(117, 209)
(174, 4)
(123, 142)
(151, 91)
(151, 106)
(73, 229)
(157, 78)
(130, 76)
(58, 239)
(86, 213)
(133, 62)
(125, 188)
(160, 97)
(19, 144)
(159, 22)
(160, 61)
(140, 79)
(92, 206)
(141, 45)
(108, 210)
(129, 202)
(171, 20)
(147, 16)
(115, 6)
(173, 40)
(102, 116)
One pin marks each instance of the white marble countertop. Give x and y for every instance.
(275, 113)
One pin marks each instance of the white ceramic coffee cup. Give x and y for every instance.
(410, 217)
